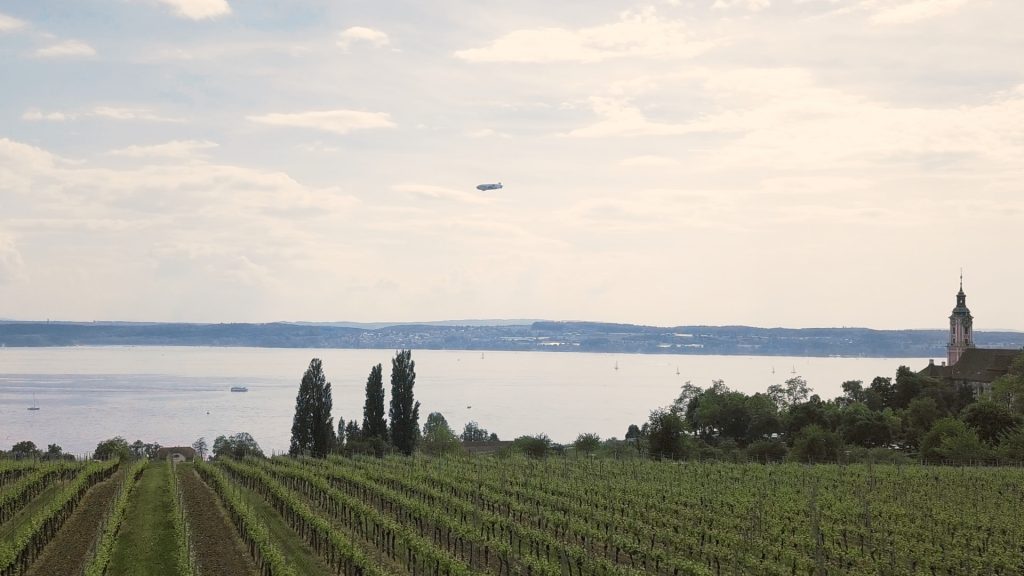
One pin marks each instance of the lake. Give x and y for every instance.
(173, 395)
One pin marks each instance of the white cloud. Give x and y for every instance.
(35, 115)
(116, 113)
(11, 264)
(752, 5)
(198, 9)
(108, 112)
(486, 133)
(649, 162)
(336, 121)
(10, 24)
(18, 159)
(636, 34)
(66, 49)
(176, 149)
(910, 11)
(359, 34)
(190, 234)
(785, 119)
(440, 193)
(621, 118)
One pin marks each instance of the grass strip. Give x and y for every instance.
(104, 550)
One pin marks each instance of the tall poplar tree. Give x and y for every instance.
(374, 424)
(405, 411)
(313, 426)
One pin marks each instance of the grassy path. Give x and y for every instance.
(145, 543)
(291, 545)
(217, 547)
(69, 550)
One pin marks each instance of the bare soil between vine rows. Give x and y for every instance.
(217, 547)
(69, 549)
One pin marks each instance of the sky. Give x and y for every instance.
(761, 162)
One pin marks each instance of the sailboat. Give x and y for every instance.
(35, 405)
(677, 370)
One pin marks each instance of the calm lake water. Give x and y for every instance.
(173, 395)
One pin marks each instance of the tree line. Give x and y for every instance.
(910, 416)
(313, 430)
(378, 432)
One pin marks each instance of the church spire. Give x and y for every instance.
(961, 336)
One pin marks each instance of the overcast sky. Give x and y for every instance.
(761, 162)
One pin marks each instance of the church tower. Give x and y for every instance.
(960, 336)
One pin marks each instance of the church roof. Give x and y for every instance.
(932, 370)
(982, 364)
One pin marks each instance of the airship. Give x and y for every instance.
(497, 186)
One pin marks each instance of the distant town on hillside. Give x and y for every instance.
(507, 335)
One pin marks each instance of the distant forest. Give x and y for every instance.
(539, 335)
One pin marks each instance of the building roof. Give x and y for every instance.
(933, 370)
(187, 451)
(982, 364)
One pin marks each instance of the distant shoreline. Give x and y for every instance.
(588, 337)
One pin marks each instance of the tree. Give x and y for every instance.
(764, 418)
(666, 436)
(236, 446)
(863, 427)
(25, 449)
(879, 394)
(374, 423)
(918, 419)
(634, 434)
(990, 420)
(313, 426)
(767, 451)
(814, 412)
(472, 432)
(533, 446)
(405, 411)
(964, 448)
(340, 438)
(201, 448)
(686, 393)
(116, 447)
(794, 391)
(436, 422)
(1011, 446)
(587, 443)
(138, 449)
(816, 444)
(853, 392)
(1008, 390)
(150, 449)
(910, 384)
(952, 439)
(438, 437)
(718, 413)
(54, 452)
(352, 432)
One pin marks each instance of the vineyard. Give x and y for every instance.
(476, 516)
